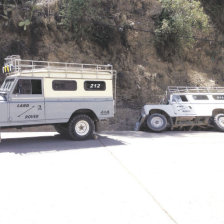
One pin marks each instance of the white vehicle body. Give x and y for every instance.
(43, 92)
(187, 106)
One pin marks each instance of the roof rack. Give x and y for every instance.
(16, 64)
(185, 89)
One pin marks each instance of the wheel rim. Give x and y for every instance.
(82, 128)
(221, 121)
(157, 122)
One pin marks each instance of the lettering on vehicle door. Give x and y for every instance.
(26, 111)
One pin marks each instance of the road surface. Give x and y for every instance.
(122, 177)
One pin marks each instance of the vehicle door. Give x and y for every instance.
(181, 105)
(26, 102)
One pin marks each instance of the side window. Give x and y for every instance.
(183, 98)
(94, 85)
(200, 97)
(28, 86)
(64, 85)
(36, 86)
(218, 97)
(7, 85)
(176, 99)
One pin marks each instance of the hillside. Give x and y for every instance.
(121, 34)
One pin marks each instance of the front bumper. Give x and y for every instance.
(140, 121)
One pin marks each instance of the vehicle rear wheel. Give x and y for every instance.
(219, 122)
(81, 127)
(157, 122)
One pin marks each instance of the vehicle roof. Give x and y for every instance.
(45, 73)
(15, 66)
(196, 93)
(189, 90)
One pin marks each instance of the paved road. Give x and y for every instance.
(123, 177)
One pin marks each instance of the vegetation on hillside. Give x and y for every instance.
(84, 19)
(179, 23)
(214, 8)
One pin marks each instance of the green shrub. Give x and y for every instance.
(179, 22)
(6, 8)
(87, 19)
(77, 15)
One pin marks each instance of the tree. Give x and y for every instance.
(178, 23)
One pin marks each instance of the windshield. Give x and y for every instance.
(7, 85)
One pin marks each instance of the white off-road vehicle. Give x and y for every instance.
(72, 97)
(185, 107)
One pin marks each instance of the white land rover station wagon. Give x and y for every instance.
(72, 97)
(185, 107)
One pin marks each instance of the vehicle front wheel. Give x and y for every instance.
(219, 122)
(81, 127)
(157, 122)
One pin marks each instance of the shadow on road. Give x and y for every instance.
(52, 143)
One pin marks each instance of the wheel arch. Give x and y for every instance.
(217, 111)
(159, 111)
(88, 112)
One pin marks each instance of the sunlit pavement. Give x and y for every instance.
(122, 177)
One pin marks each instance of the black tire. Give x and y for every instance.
(81, 127)
(219, 122)
(157, 122)
(62, 129)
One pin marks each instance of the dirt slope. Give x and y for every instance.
(142, 74)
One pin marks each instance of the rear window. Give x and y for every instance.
(200, 97)
(218, 97)
(64, 85)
